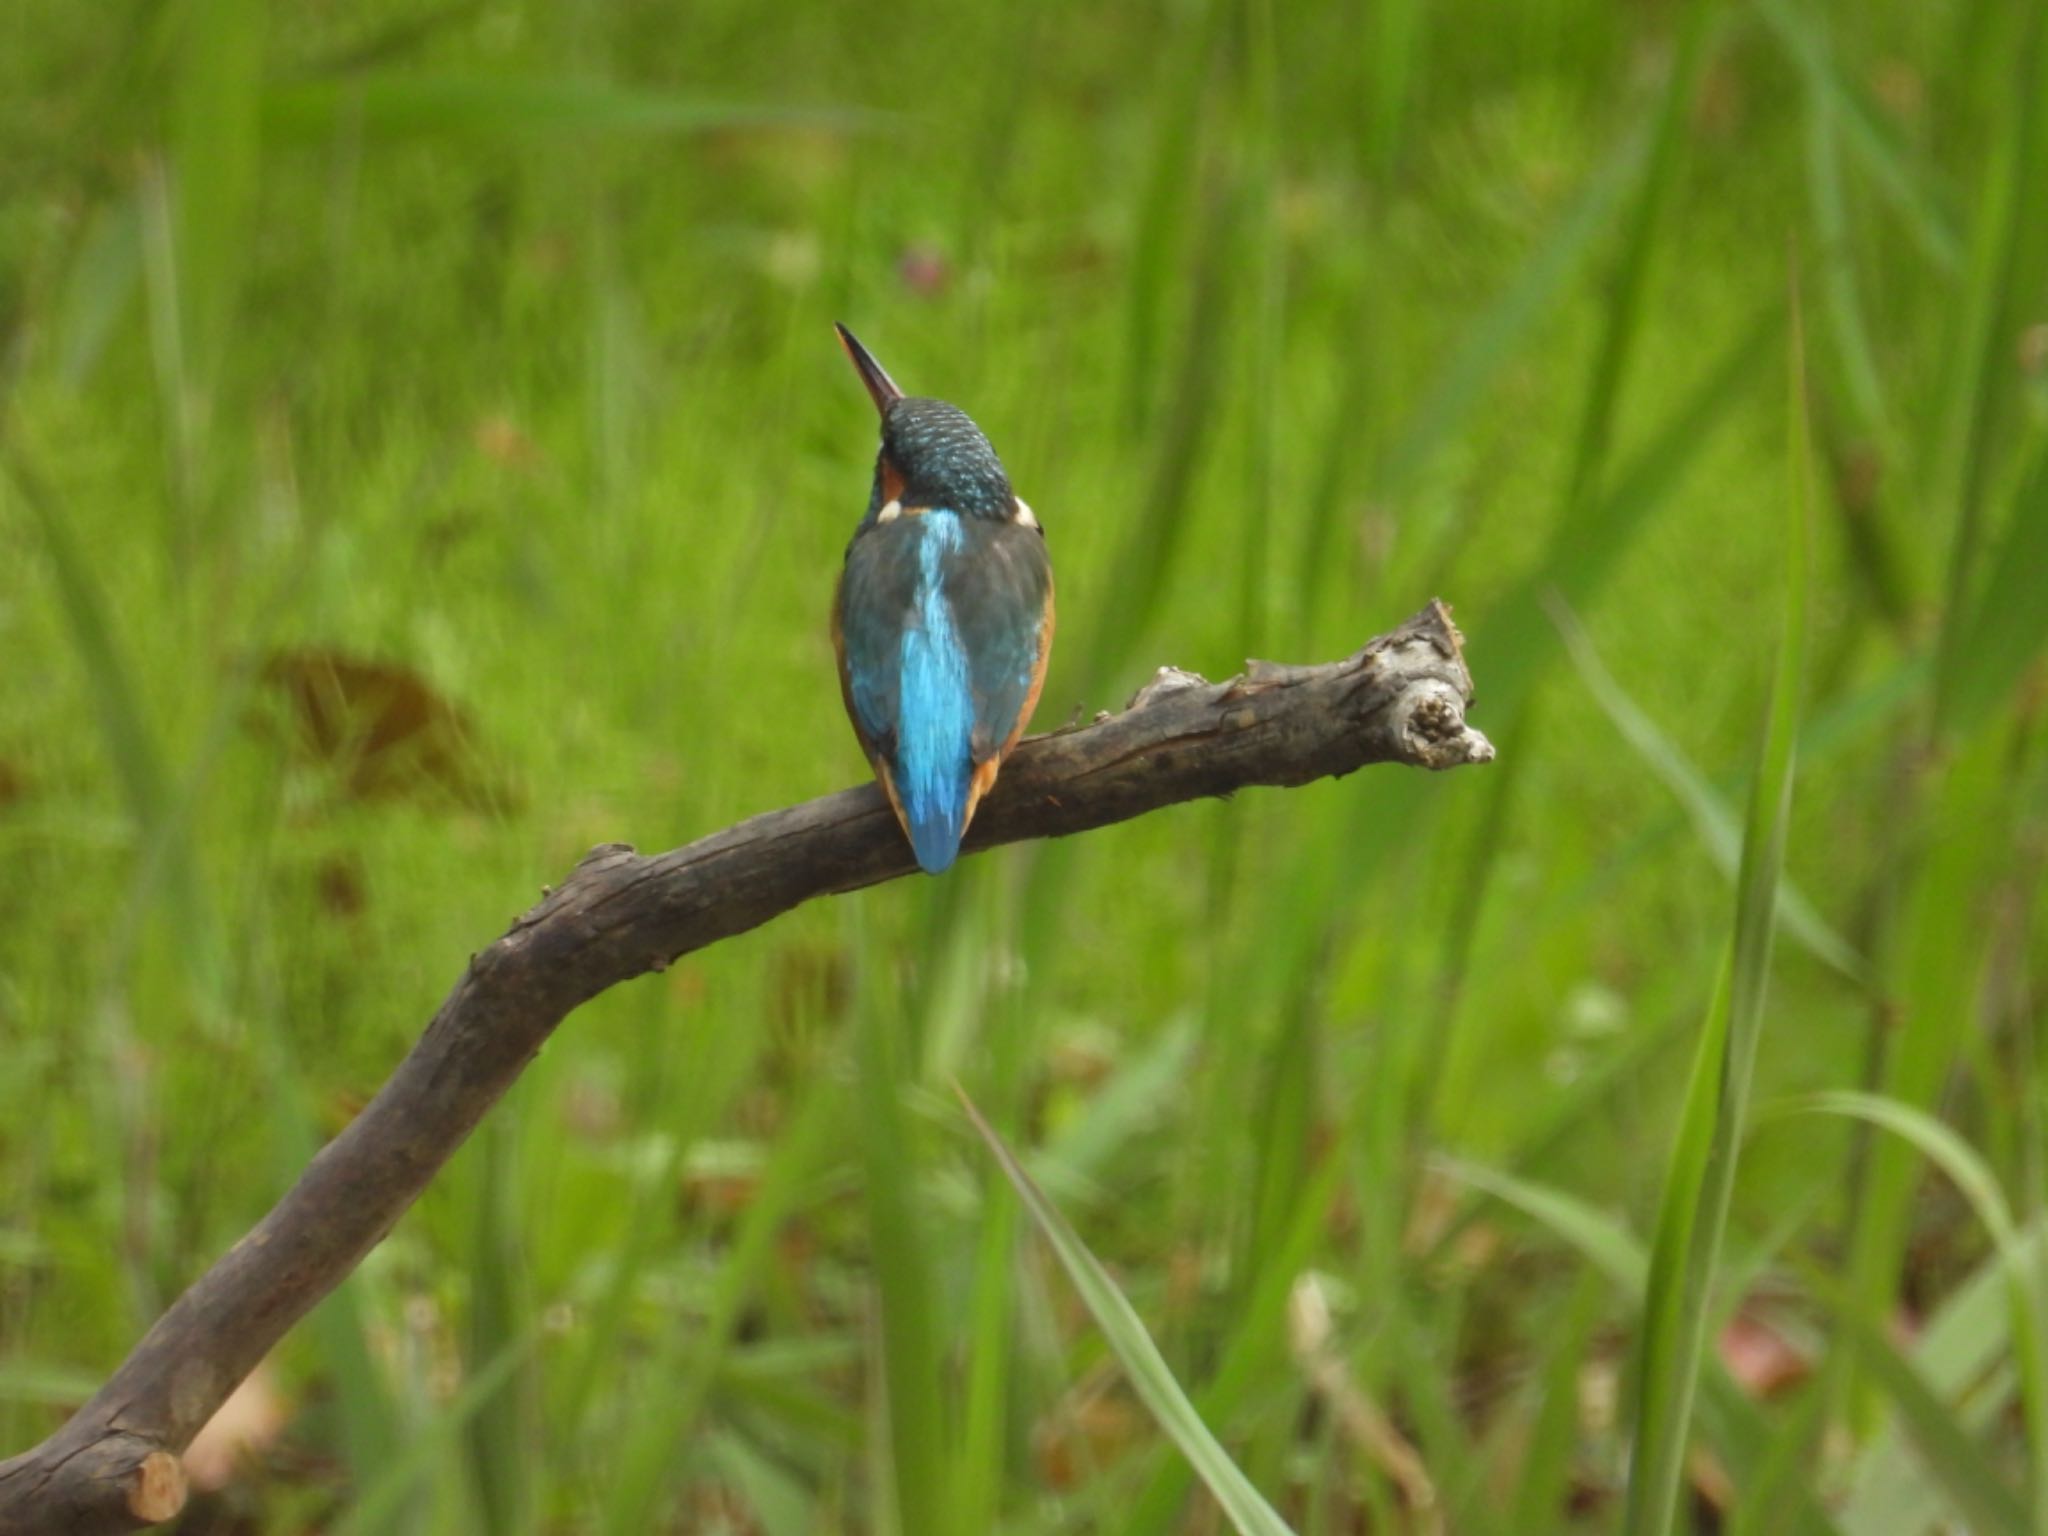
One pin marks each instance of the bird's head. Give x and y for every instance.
(933, 455)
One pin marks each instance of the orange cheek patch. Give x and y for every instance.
(892, 480)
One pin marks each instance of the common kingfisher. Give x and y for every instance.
(943, 619)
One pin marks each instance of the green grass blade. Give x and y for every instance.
(904, 1261)
(778, 1500)
(1711, 817)
(687, 1102)
(1963, 1353)
(1979, 1185)
(1624, 311)
(1500, 330)
(1555, 1409)
(501, 1312)
(1938, 1143)
(1999, 291)
(1395, 61)
(28, 1380)
(1836, 253)
(131, 744)
(981, 1460)
(1262, 271)
(430, 1446)
(1920, 200)
(1935, 959)
(1732, 1421)
(1515, 638)
(541, 109)
(217, 147)
(1137, 1097)
(1694, 1213)
(1613, 1249)
(131, 741)
(696, 1348)
(1138, 578)
(1973, 1484)
(104, 277)
(1257, 1340)
(1170, 181)
(1146, 1369)
(2005, 632)
(1784, 1470)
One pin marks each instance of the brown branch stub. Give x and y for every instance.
(156, 1489)
(114, 1467)
(113, 1481)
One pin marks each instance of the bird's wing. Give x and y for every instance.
(877, 591)
(1000, 584)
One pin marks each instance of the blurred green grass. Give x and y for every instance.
(423, 454)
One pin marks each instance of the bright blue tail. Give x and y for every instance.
(931, 782)
(935, 828)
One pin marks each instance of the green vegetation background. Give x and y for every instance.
(424, 453)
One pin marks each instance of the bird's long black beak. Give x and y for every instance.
(881, 387)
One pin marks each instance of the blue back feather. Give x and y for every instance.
(935, 721)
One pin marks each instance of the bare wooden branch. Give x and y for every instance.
(114, 1466)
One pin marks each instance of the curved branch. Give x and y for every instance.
(114, 1466)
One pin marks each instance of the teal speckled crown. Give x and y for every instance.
(945, 460)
